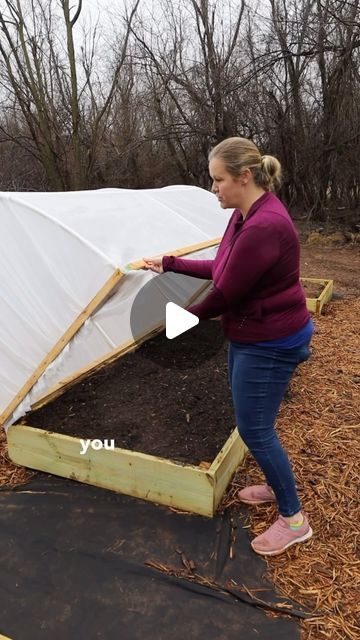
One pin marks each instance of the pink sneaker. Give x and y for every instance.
(257, 494)
(280, 537)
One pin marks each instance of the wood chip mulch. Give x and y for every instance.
(11, 474)
(319, 425)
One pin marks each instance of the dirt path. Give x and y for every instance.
(341, 264)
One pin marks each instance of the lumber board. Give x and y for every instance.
(4, 637)
(225, 464)
(126, 347)
(61, 343)
(325, 295)
(158, 480)
(316, 280)
(139, 264)
(81, 374)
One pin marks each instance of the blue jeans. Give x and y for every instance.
(259, 377)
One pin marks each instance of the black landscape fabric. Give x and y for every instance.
(83, 563)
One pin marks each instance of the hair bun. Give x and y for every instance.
(271, 170)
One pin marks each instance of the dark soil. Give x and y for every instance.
(170, 398)
(312, 289)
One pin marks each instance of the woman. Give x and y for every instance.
(263, 310)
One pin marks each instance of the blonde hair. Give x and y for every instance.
(238, 154)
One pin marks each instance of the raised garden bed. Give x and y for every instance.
(318, 292)
(167, 406)
(170, 398)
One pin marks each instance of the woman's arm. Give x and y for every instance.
(195, 268)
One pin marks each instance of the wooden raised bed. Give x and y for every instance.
(112, 396)
(318, 292)
(191, 488)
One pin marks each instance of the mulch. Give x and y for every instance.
(11, 474)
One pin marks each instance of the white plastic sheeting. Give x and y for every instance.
(126, 224)
(47, 277)
(59, 249)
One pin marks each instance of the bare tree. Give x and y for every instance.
(338, 62)
(308, 92)
(190, 66)
(42, 78)
(174, 83)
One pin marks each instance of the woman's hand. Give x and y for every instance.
(155, 264)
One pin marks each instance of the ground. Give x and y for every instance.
(338, 263)
(319, 425)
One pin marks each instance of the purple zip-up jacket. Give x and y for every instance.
(256, 287)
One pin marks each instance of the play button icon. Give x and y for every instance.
(178, 320)
(153, 314)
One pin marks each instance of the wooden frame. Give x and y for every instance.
(82, 317)
(316, 304)
(196, 489)
(139, 264)
(130, 345)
